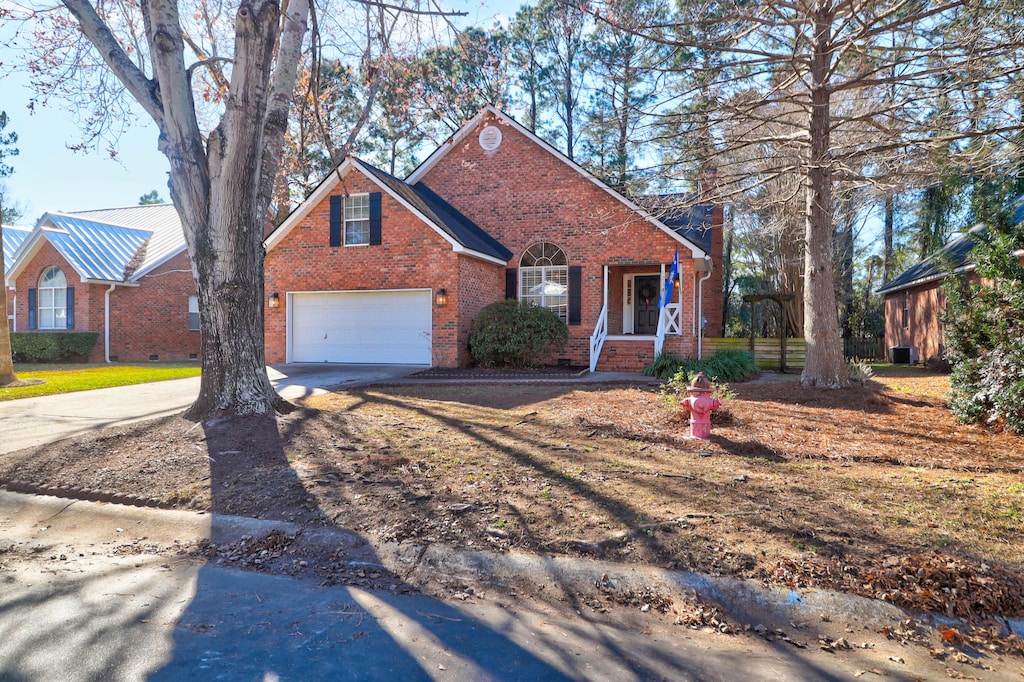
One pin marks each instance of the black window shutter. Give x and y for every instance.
(31, 308)
(71, 308)
(511, 283)
(375, 236)
(575, 294)
(336, 221)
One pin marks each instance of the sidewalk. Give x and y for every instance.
(98, 591)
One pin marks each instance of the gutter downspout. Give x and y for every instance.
(106, 323)
(700, 308)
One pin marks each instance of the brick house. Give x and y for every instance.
(123, 273)
(914, 300)
(374, 269)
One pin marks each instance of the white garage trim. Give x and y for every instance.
(387, 326)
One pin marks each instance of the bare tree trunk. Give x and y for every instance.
(824, 365)
(221, 188)
(887, 236)
(6, 364)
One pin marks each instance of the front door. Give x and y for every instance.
(645, 304)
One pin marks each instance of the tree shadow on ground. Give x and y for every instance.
(246, 625)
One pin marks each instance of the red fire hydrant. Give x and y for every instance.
(700, 405)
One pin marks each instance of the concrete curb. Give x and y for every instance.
(744, 602)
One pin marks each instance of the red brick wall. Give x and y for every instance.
(521, 194)
(411, 256)
(480, 284)
(88, 318)
(151, 319)
(923, 328)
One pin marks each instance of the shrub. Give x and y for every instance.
(514, 334)
(724, 365)
(675, 390)
(984, 325)
(52, 346)
(860, 370)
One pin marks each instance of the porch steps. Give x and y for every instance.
(625, 355)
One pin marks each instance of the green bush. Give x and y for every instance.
(984, 325)
(724, 365)
(514, 334)
(52, 346)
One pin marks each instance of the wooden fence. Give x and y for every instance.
(767, 352)
(865, 349)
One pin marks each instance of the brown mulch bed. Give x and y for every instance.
(874, 490)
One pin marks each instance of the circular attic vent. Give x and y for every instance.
(490, 138)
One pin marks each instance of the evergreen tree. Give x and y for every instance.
(984, 315)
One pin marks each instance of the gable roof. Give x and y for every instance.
(955, 256)
(443, 215)
(110, 245)
(417, 175)
(13, 237)
(952, 257)
(458, 230)
(690, 221)
(168, 237)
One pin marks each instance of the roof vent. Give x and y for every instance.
(490, 138)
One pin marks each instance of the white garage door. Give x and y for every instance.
(364, 327)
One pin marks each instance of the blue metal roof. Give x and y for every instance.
(97, 251)
(13, 238)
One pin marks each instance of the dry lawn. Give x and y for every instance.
(874, 490)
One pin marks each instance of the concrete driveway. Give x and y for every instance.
(36, 421)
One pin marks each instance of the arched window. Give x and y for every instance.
(544, 278)
(53, 299)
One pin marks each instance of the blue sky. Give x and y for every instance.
(50, 177)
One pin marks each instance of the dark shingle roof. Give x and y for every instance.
(678, 212)
(954, 255)
(457, 226)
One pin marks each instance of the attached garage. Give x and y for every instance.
(360, 327)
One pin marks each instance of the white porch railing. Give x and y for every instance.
(598, 337)
(670, 321)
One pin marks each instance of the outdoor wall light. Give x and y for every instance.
(441, 298)
(274, 301)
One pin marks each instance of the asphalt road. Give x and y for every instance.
(31, 422)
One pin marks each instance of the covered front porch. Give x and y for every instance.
(635, 325)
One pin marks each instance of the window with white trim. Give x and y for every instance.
(193, 313)
(357, 220)
(52, 303)
(544, 278)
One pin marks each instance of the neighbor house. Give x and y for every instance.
(123, 273)
(915, 300)
(12, 238)
(376, 269)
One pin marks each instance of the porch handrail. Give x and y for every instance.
(598, 337)
(669, 322)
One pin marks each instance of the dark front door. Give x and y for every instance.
(645, 304)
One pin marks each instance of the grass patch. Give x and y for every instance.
(70, 378)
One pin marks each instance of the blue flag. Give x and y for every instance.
(673, 274)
